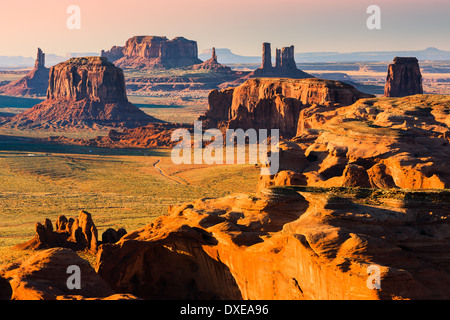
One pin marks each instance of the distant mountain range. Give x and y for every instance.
(225, 56)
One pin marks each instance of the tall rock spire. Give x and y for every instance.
(277, 59)
(404, 78)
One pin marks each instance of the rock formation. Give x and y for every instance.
(34, 83)
(275, 103)
(288, 243)
(148, 52)
(84, 91)
(377, 143)
(76, 234)
(44, 276)
(404, 78)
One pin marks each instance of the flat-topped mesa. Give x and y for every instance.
(285, 65)
(82, 92)
(154, 52)
(404, 78)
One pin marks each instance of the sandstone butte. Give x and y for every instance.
(361, 184)
(35, 83)
(82, 92)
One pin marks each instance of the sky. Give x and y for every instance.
(240, 25)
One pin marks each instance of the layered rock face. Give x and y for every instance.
(34, 83)
(375, 143)
(143, 52)
(275, 103)
(87, 91)
(288, 243)
(404, 78)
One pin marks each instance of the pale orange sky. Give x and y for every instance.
(241, 25)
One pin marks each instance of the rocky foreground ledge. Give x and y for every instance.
(281, 243)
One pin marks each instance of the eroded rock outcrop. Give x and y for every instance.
(148, 52)
(404, 78)
(84, 91)
(34, 83)
(269, 103)
(288, 243)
